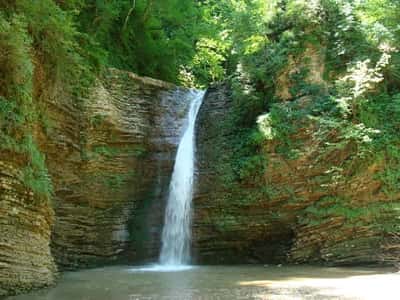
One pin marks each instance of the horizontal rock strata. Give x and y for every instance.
(323, 206)
(109, 158)
(25, 227)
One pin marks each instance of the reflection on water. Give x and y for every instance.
(223, 282)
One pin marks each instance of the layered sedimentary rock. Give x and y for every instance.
(228, 229)
(110, 158)
(325, 204)
(109, 204)
(25, 226)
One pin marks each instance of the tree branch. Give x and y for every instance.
(128, 15)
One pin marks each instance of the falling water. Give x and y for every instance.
(175, 250)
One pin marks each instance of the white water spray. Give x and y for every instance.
(176, 236)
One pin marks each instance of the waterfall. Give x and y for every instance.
(176, 235)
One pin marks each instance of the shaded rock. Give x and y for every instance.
(319, 201)
(110, 193)
(110, 158)
(25, 226)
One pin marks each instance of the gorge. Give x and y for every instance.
(262, 162)
(113, 223)
(122, 244)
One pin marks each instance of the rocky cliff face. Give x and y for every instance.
(25, 226)
(115, 195)
(110, 159)
(317, 197)
(228, 229)
(325, 204)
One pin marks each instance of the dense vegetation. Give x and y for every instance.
(333, 64)
(250, 44)
(72, 42)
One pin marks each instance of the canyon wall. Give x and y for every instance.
(112, 207)
(326, 204)
(109, 158)
(25, 226)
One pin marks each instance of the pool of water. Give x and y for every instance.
(223, 282)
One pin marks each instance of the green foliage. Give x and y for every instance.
(97, 120)
(353, 112)
(332, 207)
(35, 174)
(281, 123)
(112, 181)
(300, 87)
(383, 112)
(110, 152)
(132, 34)
(225, 222)
(55, 42)
(208, 62)
(75, 39)
(17, 112)
(15, 62)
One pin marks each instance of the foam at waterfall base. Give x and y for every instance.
(162, 268)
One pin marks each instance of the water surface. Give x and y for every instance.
(223, 282)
